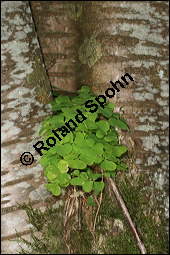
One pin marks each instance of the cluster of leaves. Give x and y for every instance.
(92, 142)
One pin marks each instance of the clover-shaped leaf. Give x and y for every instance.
(88, 186)
(77, 181)
(119, 150)
(76, 163)
(118, 123)
(90, 201)
(98, 186)
(70, 148)
(63, 166)
(108, 165)
(54, 188)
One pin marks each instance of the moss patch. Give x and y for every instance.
(39, 79)
(90, 51)
(112, 235)
(49, 227)
(150, 224)
(81, 241)
(74, 10)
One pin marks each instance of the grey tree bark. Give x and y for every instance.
(119, 37)
(25, 91)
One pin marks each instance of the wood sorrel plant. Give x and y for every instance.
(93, 142)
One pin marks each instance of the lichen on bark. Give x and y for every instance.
(90, 51)
(40, 80)
(74, 10)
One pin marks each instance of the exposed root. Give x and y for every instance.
(127, 215)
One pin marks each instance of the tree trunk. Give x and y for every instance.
(131, 37)
(25, 91)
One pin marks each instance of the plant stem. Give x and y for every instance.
(79, 212)
(94, 226)
(100, 201)
(112, 184)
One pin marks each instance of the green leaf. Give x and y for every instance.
(76, 163)
(113, 174)
(57, 120)
(92, 117)
(63, 178)
(88, 186)
(98, 186)
(65, 184)
(119, 150)
(98, 148)
(51, 168)
(118, 123)
(54, 188)
(78, 100)
(69, 112)
(76, 172)
(84, 175)
(107, 112)
(90, 124)
(55, 93)
(111, 137)
(43, 130)
(108, 165)
(69, 116)
(54, 159)
(122, 166)
(76, 150)
(84, 90)
(123, 120)
(52, 150)
(108, 147)
(81, 127)
(94, 177)
(79, 138)
(89, 156)
(99, 134)
(77, 181)
(64, 149)
(70, 156)
(90, 201)
(103, 126)
(63, 166)
(44, 160)
(107, 174)
(52, 175)
(89, 142)
(88, 152)
(67, 139)
(61, 150)
(89, 172)
(110, 156)
(89, 161)
(98, 159)
(111, 105)
(116, 115)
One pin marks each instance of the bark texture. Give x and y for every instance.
(25, 91)
(58, 38)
